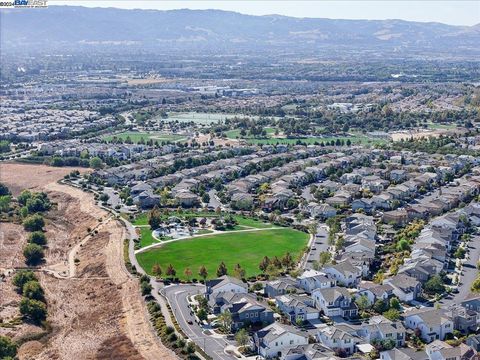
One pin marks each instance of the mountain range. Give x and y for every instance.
(221, 31)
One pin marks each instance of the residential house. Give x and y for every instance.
(344, 273)
(433, 324)
(275, 339)
(313, 279)
(405, 288)
(297, 307)
(335, 301)
(374, 291)
(282, 286)
(439, 350)
(225, 284)
(335, 337)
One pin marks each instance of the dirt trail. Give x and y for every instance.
(98, 313)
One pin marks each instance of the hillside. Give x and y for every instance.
(68, 27)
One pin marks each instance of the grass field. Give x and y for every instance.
(244, 248)
(205, 118)
(354, 138)
(146, 237)
(234, 134)
(137, 136)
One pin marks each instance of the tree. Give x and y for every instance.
(202, 314)
(403, 245)
(287, 260)
(324, 258)
(460, 253)
(225, 319)
(241, 337)
(362, 302)
(8, 349)
(394, 303)
(145, 288)
(22, 277)
(96, 163)
(222, 269)
(434, 285)
(157, 270)
(277, 263)
(33, 290)
(202, 272)
(380, 306)
(239, 272)
(188, 273)
(264, 264)
(392, 314)
(37, 237)
(33, 254)
(4, 190)
(34, 310)
(171, 272)
(5, 201)
(154, 218)
(34, 223)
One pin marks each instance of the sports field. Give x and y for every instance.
(246, 248)
(137, 136)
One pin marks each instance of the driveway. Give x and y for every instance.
(177, 296)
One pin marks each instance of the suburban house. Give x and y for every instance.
(405, 288)
(281, 286)
(439, 350)
(344, 273)
(224, 284)
(335, 337)
(434, 324)
(275, 339)
(374, 291)
(297, 307)
(312, 279)
(245, 310)
(380, 328)
(335, 301)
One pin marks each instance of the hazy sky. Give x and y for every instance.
(449, 12)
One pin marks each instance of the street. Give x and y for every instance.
(470, 273)
(177, 296)
(319, 245)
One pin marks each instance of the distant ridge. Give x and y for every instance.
(217, 31)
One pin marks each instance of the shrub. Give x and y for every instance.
(146, 288)
(37, 237)
(22, 277)
(34, 310)
(33, 290)
(33, 254)
(8, 349)
(34, 223)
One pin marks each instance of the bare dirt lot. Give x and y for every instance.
(96, 311)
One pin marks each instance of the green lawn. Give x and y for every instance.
(137, 136)
(146, 237)
(247, 249)
(233, 134)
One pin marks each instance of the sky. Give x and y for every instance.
(447, 12)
